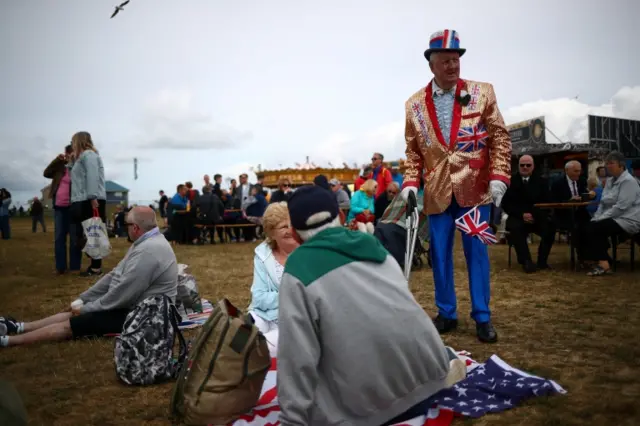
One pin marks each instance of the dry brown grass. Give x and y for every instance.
(580, 332)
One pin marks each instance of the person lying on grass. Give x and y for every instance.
(355, 347)
(149, 268)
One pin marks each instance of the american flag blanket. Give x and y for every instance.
(491, 387)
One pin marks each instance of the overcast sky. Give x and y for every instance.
(201, 86)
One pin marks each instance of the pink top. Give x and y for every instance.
(63, 195)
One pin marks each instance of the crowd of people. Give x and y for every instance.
(365, 353)
(611, 210)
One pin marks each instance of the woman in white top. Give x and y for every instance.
(268, 266)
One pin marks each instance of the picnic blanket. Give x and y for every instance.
(490, 387)
(191, 319)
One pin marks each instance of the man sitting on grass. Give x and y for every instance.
(149, 268)
(355, 347)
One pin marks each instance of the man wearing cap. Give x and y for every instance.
(341, 195)
(457, 142)
(355, 348)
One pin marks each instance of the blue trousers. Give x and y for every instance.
(5, 227)
(64, 227)
(442, 229)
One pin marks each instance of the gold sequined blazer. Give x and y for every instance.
(461, 164)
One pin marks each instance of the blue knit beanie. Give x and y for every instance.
(311, 207)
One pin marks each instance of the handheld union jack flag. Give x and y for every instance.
(473, 138)
(470, 224)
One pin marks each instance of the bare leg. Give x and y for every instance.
(604, 264)
(54, 319)
(52, 332)
(361, 227)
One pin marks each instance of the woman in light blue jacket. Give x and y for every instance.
(88, 194)
(363, 207)
(268, 267)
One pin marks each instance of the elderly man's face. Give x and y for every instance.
(133, 231)
(206, 179)
(574, 171)
(445, 66)
(526, 166)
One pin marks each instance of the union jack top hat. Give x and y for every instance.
(444, 41)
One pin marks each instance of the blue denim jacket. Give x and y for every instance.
(87, 178)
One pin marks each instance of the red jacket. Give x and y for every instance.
(384, 178)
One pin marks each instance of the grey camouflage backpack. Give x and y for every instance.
(144, 350)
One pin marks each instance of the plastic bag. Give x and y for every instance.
(98, 245)
(188, 298)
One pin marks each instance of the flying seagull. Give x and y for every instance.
(119, 8)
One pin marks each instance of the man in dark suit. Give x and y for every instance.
(523, 218)
(568, 189)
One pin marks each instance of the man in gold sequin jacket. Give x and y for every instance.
(458, 144)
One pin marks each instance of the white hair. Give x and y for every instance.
(571, 164)
(308, 233)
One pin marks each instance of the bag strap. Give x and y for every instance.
(182, 354)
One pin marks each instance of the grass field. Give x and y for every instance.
(580, 331)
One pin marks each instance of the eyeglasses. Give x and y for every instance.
(526, 165)
(374, 159)
(391, 192)
(286, 185)
(128, 224)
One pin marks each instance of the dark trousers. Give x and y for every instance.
(38, 219)
(597, 236)
(518, 232)
(63, 227)
(180, 225)
(420, 409)
(81, 211)
(577, 228)
(5, 227)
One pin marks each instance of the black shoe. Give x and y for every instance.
(544, 267)
(91, 273)
(486, 333)
(529, 267)
(445, 325)
(8, 325)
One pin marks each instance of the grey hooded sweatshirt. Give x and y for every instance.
(354, 347)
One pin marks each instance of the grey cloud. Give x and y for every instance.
(171, 121)
(23, 160)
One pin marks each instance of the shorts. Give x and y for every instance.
(98, 324)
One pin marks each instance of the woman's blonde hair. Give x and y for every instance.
(369, 186)
(81, 142)
(273, 216)
(592, 183)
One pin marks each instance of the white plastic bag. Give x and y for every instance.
(98, 245)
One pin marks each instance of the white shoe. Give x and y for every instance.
(457, 369)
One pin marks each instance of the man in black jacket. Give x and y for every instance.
(526, 190)
(568, 189)
(210, 210)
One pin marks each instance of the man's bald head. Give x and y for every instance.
(526, 165)
(144, 217)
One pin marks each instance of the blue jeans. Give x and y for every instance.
(64, 227)
(5, 227)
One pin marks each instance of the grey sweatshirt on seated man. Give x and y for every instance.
(149, 268)
(355, 348)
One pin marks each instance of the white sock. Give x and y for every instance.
(20, 327)
(4, 341)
